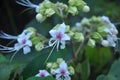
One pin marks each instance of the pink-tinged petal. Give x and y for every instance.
(42, 73)
(26, 49)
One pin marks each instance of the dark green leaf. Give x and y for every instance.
(41, 78)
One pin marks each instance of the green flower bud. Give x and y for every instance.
(31, 29)
(77, 3)
(73, 11)
(59, 60)
(105, 43)
(40, 17)
(85, 22)
(79, 37)
(70, 33)
(35, 40)
(91, 43)
(67, 28)
(54, 66)
(86, 9)
(39, 46)
(49, 65)
(95, 19)
(62, 6)
(49, 12)
(71, 70)
(97, 36)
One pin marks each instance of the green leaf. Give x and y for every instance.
(114, 73)
(41, 78)
(6, 68)
(2, 58)
(39, 62)
(84, 70)
(98, 56)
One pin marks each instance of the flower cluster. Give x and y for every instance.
(59, 69)
(48, 8)
(97, 30)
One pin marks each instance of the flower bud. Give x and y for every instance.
(35, 40)
(59, 60)
(73, 10)
(79, 37)
(54, 65)
(86, 9)
(105, 43)
(97, 36)
(91, 43)
(71, 70)
(85, 22)
(39, 46)
(49, 65)
(49, 12)
(52, 71)
(39, 17)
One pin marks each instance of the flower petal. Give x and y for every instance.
(66, 37)
(62, 46)
(28, 43)
(26, 49)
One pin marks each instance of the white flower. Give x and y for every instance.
(59, 36)
(112, 40)
(62, 72)
(42, 73)
(27, 3)
(78, 24)
(22, 42)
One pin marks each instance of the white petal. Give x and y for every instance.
(37, 75)
(63, 65)
(28, 43)
(17, 46)
(62, 28)
(26, 49)
(53, 33)
(66, 37)
(62, 46)
(58, 76)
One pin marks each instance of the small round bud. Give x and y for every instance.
(86, 9)
(71, 70)
(52, 71)
(91, 43)
(49, 65)
(39, 17)
(115, 31)
(54, 65)
(59, 60)
(39, 46)
(105, 43)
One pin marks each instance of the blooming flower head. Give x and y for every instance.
(62, 72)
(59, 36)
(42, 73)
(22, 42)
(29, 4)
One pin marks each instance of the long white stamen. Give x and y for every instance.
(58, 45)
(50, 54)
(13, 56)
(27, 3)
(7, 36)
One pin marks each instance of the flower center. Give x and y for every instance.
(42, 74)
(62, 71)
(59, 36)
(23, 41)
